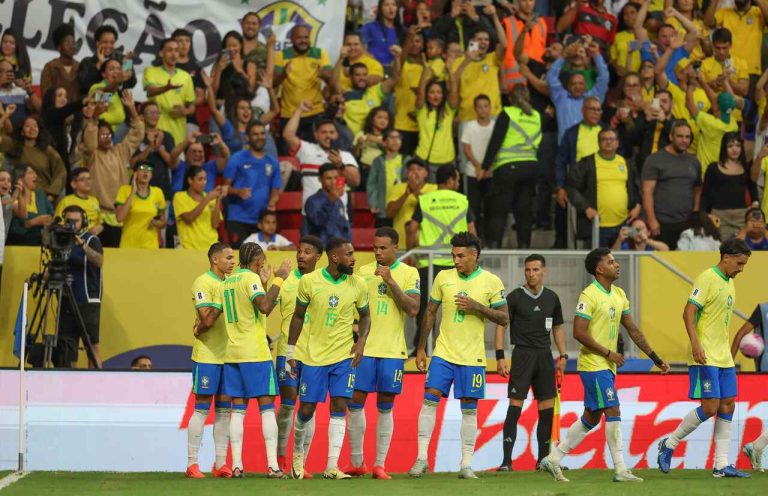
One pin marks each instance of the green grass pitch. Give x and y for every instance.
(583, 483)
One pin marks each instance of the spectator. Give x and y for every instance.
(403, 198)
(478, 71)
(173, 91)
(369, 143)
(460, 24)
(754, 232)
(702, 233)
(671, 181)
(62, 71)
(604, 185)
(722, 66)
(434, 114)
(727, 190)
(759, 172)
(108, 164)
(194, 156)
(268, 237)
(255, 51)
(188, 63)
(21, 99)
(384, 33)
(14, 50)
(108, 92)
(712, 128)
(299, 71)
(653, 135)
(312, 156)
(746, 21)
(31, 211)
(592, 19)
(28, 148)
(579, 141)
(436, 58)
(690, 11)
(90, 71)
(85, 263)
(636, 237)
(80, 182)
(232, 75)
(62, 120)
(254, 184)
(531, 31)
(324, 212)
(353, 53)
(647, 81)
(142, 362)
(624, 52)
(335, 112)
(474, 140)
(362, 98)
(7, 199)
(141, 209)
(386, 172)
(667, 40)
(511, 157)
(158, 148)
(198, 212)
(570, 100)
(407, 89)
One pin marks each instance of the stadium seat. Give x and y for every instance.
(362, 238)
(293, 235)
(362, 217)
(289, 210)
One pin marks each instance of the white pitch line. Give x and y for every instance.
(11, 478)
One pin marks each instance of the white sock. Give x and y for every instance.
(336, 429)
(761, 442)
(468, 435)
(221, 434)
(236, 435)
(576, 434)
(690, 422)
(426, 426)
(383, 435)
(309, 433)
(722, 439)
(300, 430)
(615, 443)
(195, 433)
(284, 419)
(356, 434)
(269, 431)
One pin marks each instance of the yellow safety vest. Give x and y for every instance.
(522, 140)
(443, 214)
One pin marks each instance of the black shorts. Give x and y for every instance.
(532, 368)
(69, 334)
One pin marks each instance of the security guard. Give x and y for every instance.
(511, 155)
(439, 215)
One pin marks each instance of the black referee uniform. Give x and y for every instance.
(531, 320)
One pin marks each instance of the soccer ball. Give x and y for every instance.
(752, 345)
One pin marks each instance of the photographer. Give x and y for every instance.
(84, 266)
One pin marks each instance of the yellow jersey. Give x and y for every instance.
(715, 296)
(747, 29)
(405, 96)
(586, 141)
(286, 301)
(479, 77)
(199, 235)
(331, 305)
(115, 113)
(210, 346)
(159, 76)
(435, 138)
(603, 309)
(246, 326)
(620, 49)
(764, 170)
(711, 132)
(680, 110)
(374, 69)
(359, 103)
(90, 204)
(462, 334)
(303, 80)
(612, 194)
(137, 231)
(387, 337)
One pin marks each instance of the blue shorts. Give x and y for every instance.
(599, 390)
(249, 379)
(338, 379)
(384, 375)
(284, 379)
(711, 382)
(468, 380)
(206, 378)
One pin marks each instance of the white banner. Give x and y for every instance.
(142, 24)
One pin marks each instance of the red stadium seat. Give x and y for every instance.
(289, 201)
(293, 235)
(362, 238)
(362, 217)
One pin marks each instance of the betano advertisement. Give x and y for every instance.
(136, 421)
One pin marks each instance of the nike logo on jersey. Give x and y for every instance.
(536, 309)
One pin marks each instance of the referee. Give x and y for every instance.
(534, 313)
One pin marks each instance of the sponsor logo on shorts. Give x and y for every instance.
(610, 394)
(707, 384)
(303, 389)
(204, 381)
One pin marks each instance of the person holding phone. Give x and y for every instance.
(90, 72)
(31, 211)
(141, 209)
(635, 236)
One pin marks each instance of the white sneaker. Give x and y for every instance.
(419, 468)
(554, 469)
(467, 473)
(755, 456)
(297, 465)
(626, 476)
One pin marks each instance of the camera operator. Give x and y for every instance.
(84, 265)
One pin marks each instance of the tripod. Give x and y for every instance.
(55, 283)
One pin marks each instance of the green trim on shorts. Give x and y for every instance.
(697, 388)
(600, 401)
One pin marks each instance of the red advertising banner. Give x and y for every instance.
(651, 408)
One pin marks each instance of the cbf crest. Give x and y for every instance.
(333, 301)
(730, 301)
(382, 289)
(613, 312)
(610, 394)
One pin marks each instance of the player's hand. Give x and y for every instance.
(195, 328)
(384, 272)
(244, 193)
(421, 360)
(357, 352)
(616, 358)
(664, 367)
(290, 367)
(466, 303)
(501, 368)
(284, 269)
(264, 274)
(698, 354)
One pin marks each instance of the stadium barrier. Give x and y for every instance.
(123, 421)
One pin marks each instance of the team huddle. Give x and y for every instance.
(342, 334)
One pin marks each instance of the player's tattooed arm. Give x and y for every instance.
(498, 315)
(409, 303)
(639, 338)
(206, 318)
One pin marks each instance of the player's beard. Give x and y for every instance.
(346, 269)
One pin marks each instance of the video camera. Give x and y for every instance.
(59, 239)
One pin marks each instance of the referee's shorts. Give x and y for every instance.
(531, 368)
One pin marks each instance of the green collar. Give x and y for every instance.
(297, 273)
(213, 274)
(391, 267)
(330, 278)
(472, 275)
(240, 270)
(607, 159)
(601, 288)
(717, 271)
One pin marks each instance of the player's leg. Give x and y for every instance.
(206, 380)
(234, 387)
(469, 386)
(313, 388)
(341, 385)
(223, 413)
(519, 383)
(269, 431)
(544, 390)
(616, 446)
(728, 390)
(365, 382)
(260, 382)
(288, 392)
(754, 451)
(389, 383)
(439, 380)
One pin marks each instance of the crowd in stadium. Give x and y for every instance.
(649, 117)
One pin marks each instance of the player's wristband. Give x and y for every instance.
(499, 354)
(656, 359)
(289, 352)
(278, 281)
